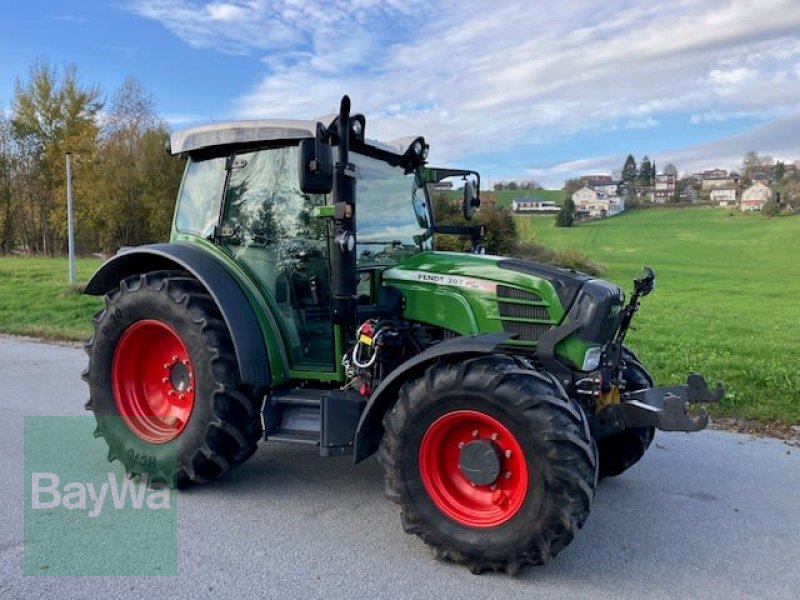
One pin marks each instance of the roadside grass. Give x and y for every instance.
(726, 302)
(37, 300)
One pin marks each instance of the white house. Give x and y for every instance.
(755, 197)
(528, 204)
(595, 205)
(607, 188)
(584, 195)
(725, 196)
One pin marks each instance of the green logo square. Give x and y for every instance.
(83, 516)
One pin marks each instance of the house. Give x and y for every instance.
(714, 178)
(755, 197)
(725, 196)
(442, 186)
(605, 184)
(592, 204)
(534, 204)
(594, 180)
(585, 195)
(663, 189)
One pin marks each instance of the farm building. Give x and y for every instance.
(755, 197)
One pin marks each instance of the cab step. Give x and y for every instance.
(322, 417)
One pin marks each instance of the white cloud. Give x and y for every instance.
(476, 79)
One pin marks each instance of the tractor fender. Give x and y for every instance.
(370, 425)
(231, 300)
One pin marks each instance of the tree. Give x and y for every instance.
(566, 216)
(671, 171)
(139, 182)
(780, 170)
(6, 169)
(51, 113)
(771, 209)
(629, 169)
(501, 230)
(571, 186)
(645, 173)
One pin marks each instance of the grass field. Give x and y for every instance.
(726, 303)
(727, 299)
(36, 299)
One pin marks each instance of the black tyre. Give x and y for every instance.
(164, 384)
(619, 452)
(491, 463)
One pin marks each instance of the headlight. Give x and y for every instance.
(591, 360)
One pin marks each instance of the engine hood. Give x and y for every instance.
(483, 273)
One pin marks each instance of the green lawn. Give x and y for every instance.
(36, 299)
(726, 302)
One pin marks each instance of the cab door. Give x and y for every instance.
(268, 227)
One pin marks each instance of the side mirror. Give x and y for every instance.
(471, 199)
(316, 166)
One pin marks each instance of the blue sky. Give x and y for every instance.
(518, 89)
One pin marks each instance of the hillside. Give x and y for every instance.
(726, 301)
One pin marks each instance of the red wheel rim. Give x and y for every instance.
(451, 491)
(153, 381)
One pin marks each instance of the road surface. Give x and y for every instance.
(706, 515)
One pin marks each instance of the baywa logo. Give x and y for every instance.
(123, 493)
(83, 515)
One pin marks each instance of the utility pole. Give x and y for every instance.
(70, 222)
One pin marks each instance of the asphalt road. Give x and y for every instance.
(706, 515)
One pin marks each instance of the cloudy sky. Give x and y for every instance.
(514, 89)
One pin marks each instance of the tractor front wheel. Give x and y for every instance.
(619, 452)
(164, 383)
(491, 463)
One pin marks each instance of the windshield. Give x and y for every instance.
(393, 213)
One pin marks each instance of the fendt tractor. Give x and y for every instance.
(301, 299)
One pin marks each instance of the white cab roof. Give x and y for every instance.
(265, 130)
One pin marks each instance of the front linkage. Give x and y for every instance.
(664, 408)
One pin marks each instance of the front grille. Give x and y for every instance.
(528, 332)
(503, 291)
(523, 311)
(522, 314)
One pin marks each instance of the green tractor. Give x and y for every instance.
(301, 300)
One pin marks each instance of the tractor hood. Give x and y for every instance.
(483, 273)
(469, 294)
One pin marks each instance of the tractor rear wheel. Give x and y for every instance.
(164, 383)
(491, 463)
(621, 451)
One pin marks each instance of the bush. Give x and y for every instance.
(771, 209)
(568, 258)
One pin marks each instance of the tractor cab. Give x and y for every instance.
(263, 192)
